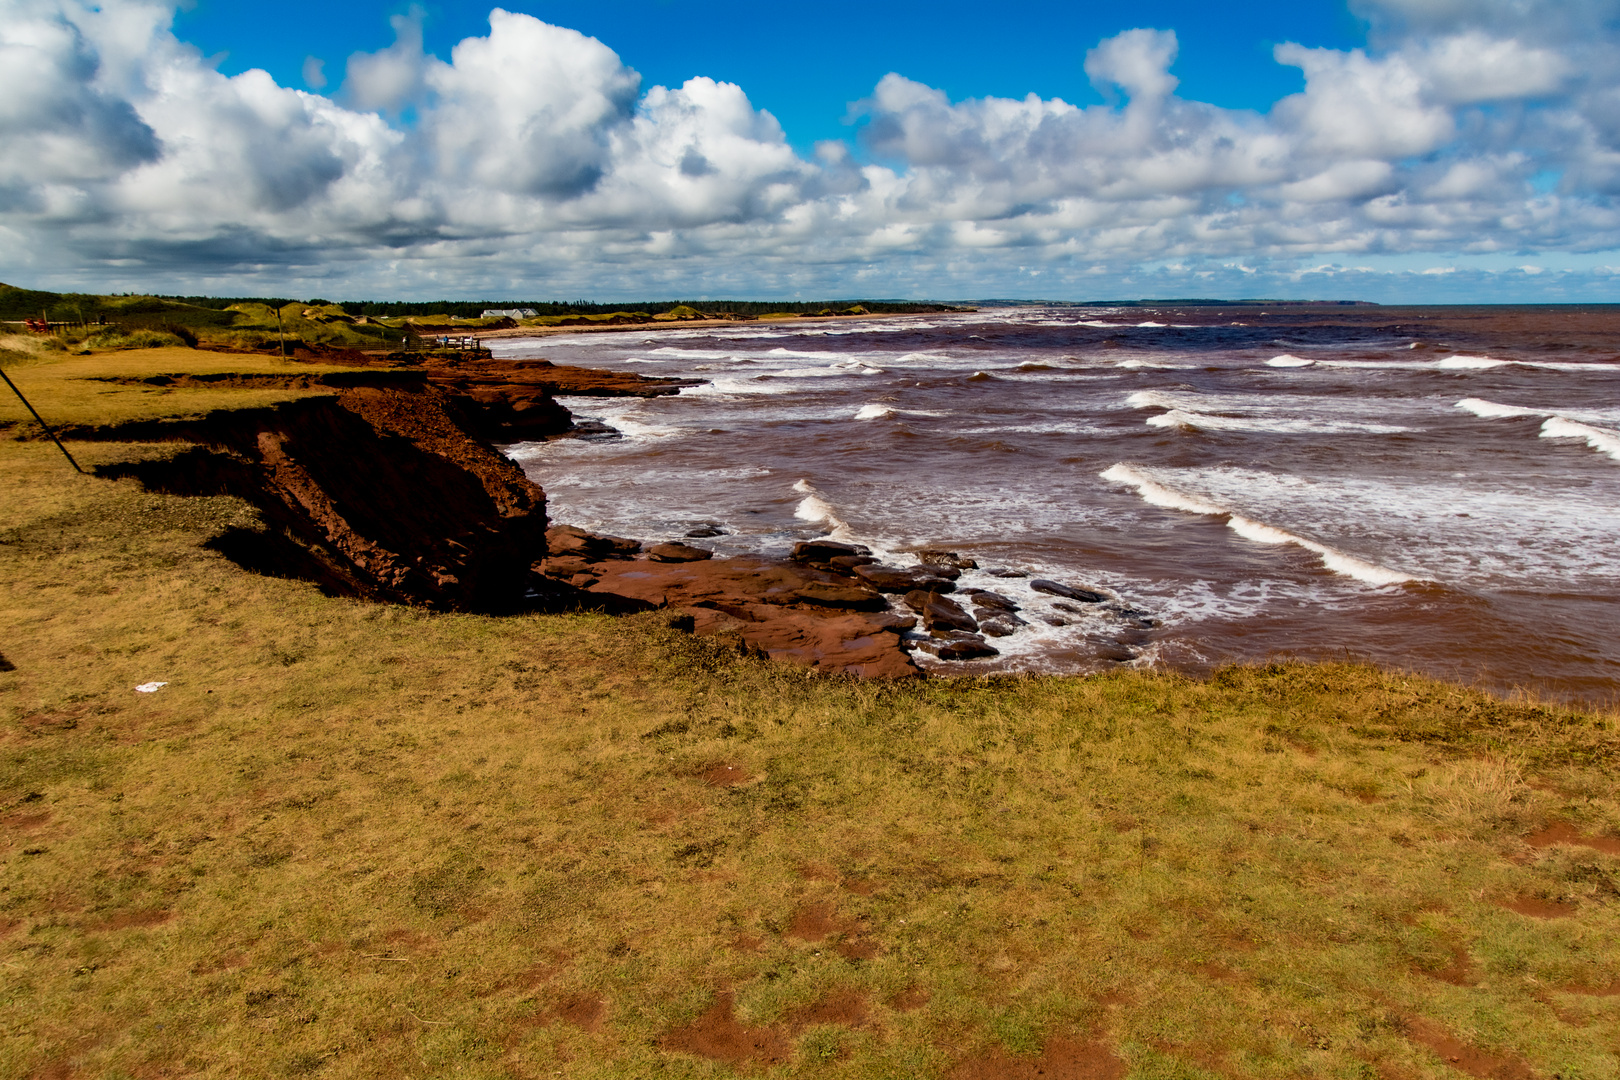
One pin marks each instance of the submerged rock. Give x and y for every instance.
(814, 551)
(940, 615)
(986, 599)
(959, 646)
(1001, 624)
(1053, 588)
(945, 559)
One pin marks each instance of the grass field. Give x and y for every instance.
(352, 840)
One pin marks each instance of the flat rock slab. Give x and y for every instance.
(569, 540)
(785, 610)
(893, 579)
(678, 553)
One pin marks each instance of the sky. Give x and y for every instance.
(1443, 151)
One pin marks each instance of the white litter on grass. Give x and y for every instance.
(150, 687)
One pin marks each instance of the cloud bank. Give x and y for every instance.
(1479, 138)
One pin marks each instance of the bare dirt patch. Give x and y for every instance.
(1062, 1059)
(861, 886)
(1611, 990)
(1562, 832)
(215, 964)
(818, 922)
(724, 774)
(585, 1011)
(912, 997)
(1464, 1058)
(1459, 969)
(718, 1035)
(1540, 908)
(747, 943)
(858, 948)
(129, 920)
(847, 1007)
(28, 822)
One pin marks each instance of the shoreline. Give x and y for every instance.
(689, 324)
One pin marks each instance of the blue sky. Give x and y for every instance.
(804, 62)
(1392, 150)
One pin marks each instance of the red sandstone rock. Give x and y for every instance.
(939, 615)
(570, 540)
(891, 579)
(380, 492)
(765, 602)
(678, 553)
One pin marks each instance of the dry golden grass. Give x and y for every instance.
(75, 390)
(349, 840)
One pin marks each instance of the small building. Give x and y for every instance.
(509, 313)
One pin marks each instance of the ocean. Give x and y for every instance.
(1433, 489)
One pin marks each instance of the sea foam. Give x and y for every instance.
(1286, 360)
(1158, 494)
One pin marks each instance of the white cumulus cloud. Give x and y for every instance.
(534, 160)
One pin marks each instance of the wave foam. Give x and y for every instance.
(1286, 360)
(814, 508)
(1471, 363)
(1605, 442)
(873, 411)
(1157, 494)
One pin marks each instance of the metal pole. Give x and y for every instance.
(281, 334)
(41, 420)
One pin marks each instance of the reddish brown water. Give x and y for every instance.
(1428, 488)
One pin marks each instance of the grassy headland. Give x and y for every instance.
(88, 322)
(350, 839)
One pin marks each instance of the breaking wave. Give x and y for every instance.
(1340, 562)
(1558, 425)
(1604, 442)
(814, 508)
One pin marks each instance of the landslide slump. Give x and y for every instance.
(381, 492)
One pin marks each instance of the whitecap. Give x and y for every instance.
(1157, 494)
(1151, 399)
(1605, 442)
(1151, 325)
(1471, 363)
(760, 384)
(1286, 360)
(1490, 410)
(1279, 425)
(874, 411)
